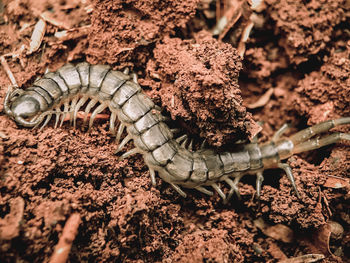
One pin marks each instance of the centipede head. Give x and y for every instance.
(21, 108)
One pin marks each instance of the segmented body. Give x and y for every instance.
(98, 87)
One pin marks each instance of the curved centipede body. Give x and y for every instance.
(98, 87)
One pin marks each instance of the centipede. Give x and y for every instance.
(168, 155)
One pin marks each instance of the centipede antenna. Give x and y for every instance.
(290, 176)
(179, 190)
(153, 176)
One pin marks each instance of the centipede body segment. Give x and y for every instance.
(97, 88)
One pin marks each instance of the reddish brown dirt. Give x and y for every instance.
(201, 71)
(301, 50)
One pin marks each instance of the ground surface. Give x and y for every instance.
(299, 48)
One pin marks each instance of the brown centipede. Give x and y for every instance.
(98, 87)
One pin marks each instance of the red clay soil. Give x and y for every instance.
(301, 50)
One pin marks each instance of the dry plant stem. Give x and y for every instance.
(70, 230)
(309, 258)
(8, 71)
(244, 39)
(263, 100)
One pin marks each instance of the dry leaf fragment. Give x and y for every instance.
(320, 240)
(336, 182)
(277, 232)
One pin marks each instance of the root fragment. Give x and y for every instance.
(70, 230)
(10, 224)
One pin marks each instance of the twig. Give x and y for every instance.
(70, 230)
(8, 71)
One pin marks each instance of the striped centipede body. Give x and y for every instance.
(99, 88)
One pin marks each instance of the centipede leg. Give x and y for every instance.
(234, 187)
(112, 122)
(184, 143)
(126, 71)
(220, 192)
(80, 103)
(65, 110)
(290, 176)
(122, 144)
(48, 118)
(153, 176)
(204, 190)
(181, 138)
(259, 180)
(119, 132)
(306, 134)
(323, 141)
(179, 190)
(129, 153)
(88, 108)
(203, 145)
(72, 107)
(98, 110)
(280, 132)
(134, 78)
(58, 114)
(175, 130)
